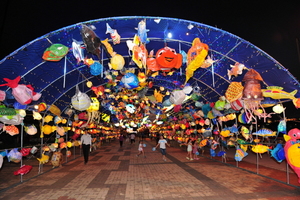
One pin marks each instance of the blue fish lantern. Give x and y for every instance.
(278, 153)
(142, 32)
(96, 68)
(18, 106)
(130, 81)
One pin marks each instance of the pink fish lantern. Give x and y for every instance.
(292, 150)
(24, 94)
(24, 169)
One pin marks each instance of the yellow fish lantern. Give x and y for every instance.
(94, 105)
(48, 118)
(259, 148)
(226, 133)
(195, 57)
(54, 110)
(44, 159)
(47, 129)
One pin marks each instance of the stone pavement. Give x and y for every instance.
(115, 173)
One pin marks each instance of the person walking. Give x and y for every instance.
(86, 142)
(141, 149)
(121, 139)
(132, 138)
(195, 150)
(162, 145)
(189, 150)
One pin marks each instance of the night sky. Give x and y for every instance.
(273, 27)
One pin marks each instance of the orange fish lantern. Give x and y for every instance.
(195, 57)
(166, 59)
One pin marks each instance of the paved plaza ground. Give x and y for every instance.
(115, 173)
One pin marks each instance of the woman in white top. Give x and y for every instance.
(162, 145)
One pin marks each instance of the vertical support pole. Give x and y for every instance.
(22, 126)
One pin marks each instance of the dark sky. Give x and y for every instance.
(272, 27)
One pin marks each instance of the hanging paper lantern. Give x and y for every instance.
(42, 107)
(199, 104)
(69, 144)
(48, 118)
(130, 108)
(54, 110)
(96, 68)
(36, 115)
(30, 130)
(47, 129)
(187, 89)
(14, 156)
(167, 103)
(278, 109)
(60, 131)
(177, 97)
(177, 108)
(89, 84)
(95, 105)
(22, 113)
(80, 101)
(62, 145)
(60, 140)
(17, 105)
(130, 81)
(69, 153)
(2, 96)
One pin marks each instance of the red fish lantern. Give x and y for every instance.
(25, 169)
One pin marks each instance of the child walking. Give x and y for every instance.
(162, 145)
(141, 149)
(195, 150)
(189, 150)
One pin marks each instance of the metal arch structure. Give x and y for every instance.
(57, 81)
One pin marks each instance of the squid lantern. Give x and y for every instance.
(292, 150)
(252, 94)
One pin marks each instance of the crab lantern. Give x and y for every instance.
(166, 59)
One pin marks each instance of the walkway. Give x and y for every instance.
(115, 173)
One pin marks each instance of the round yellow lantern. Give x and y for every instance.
(47, 129)
(69, 144)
